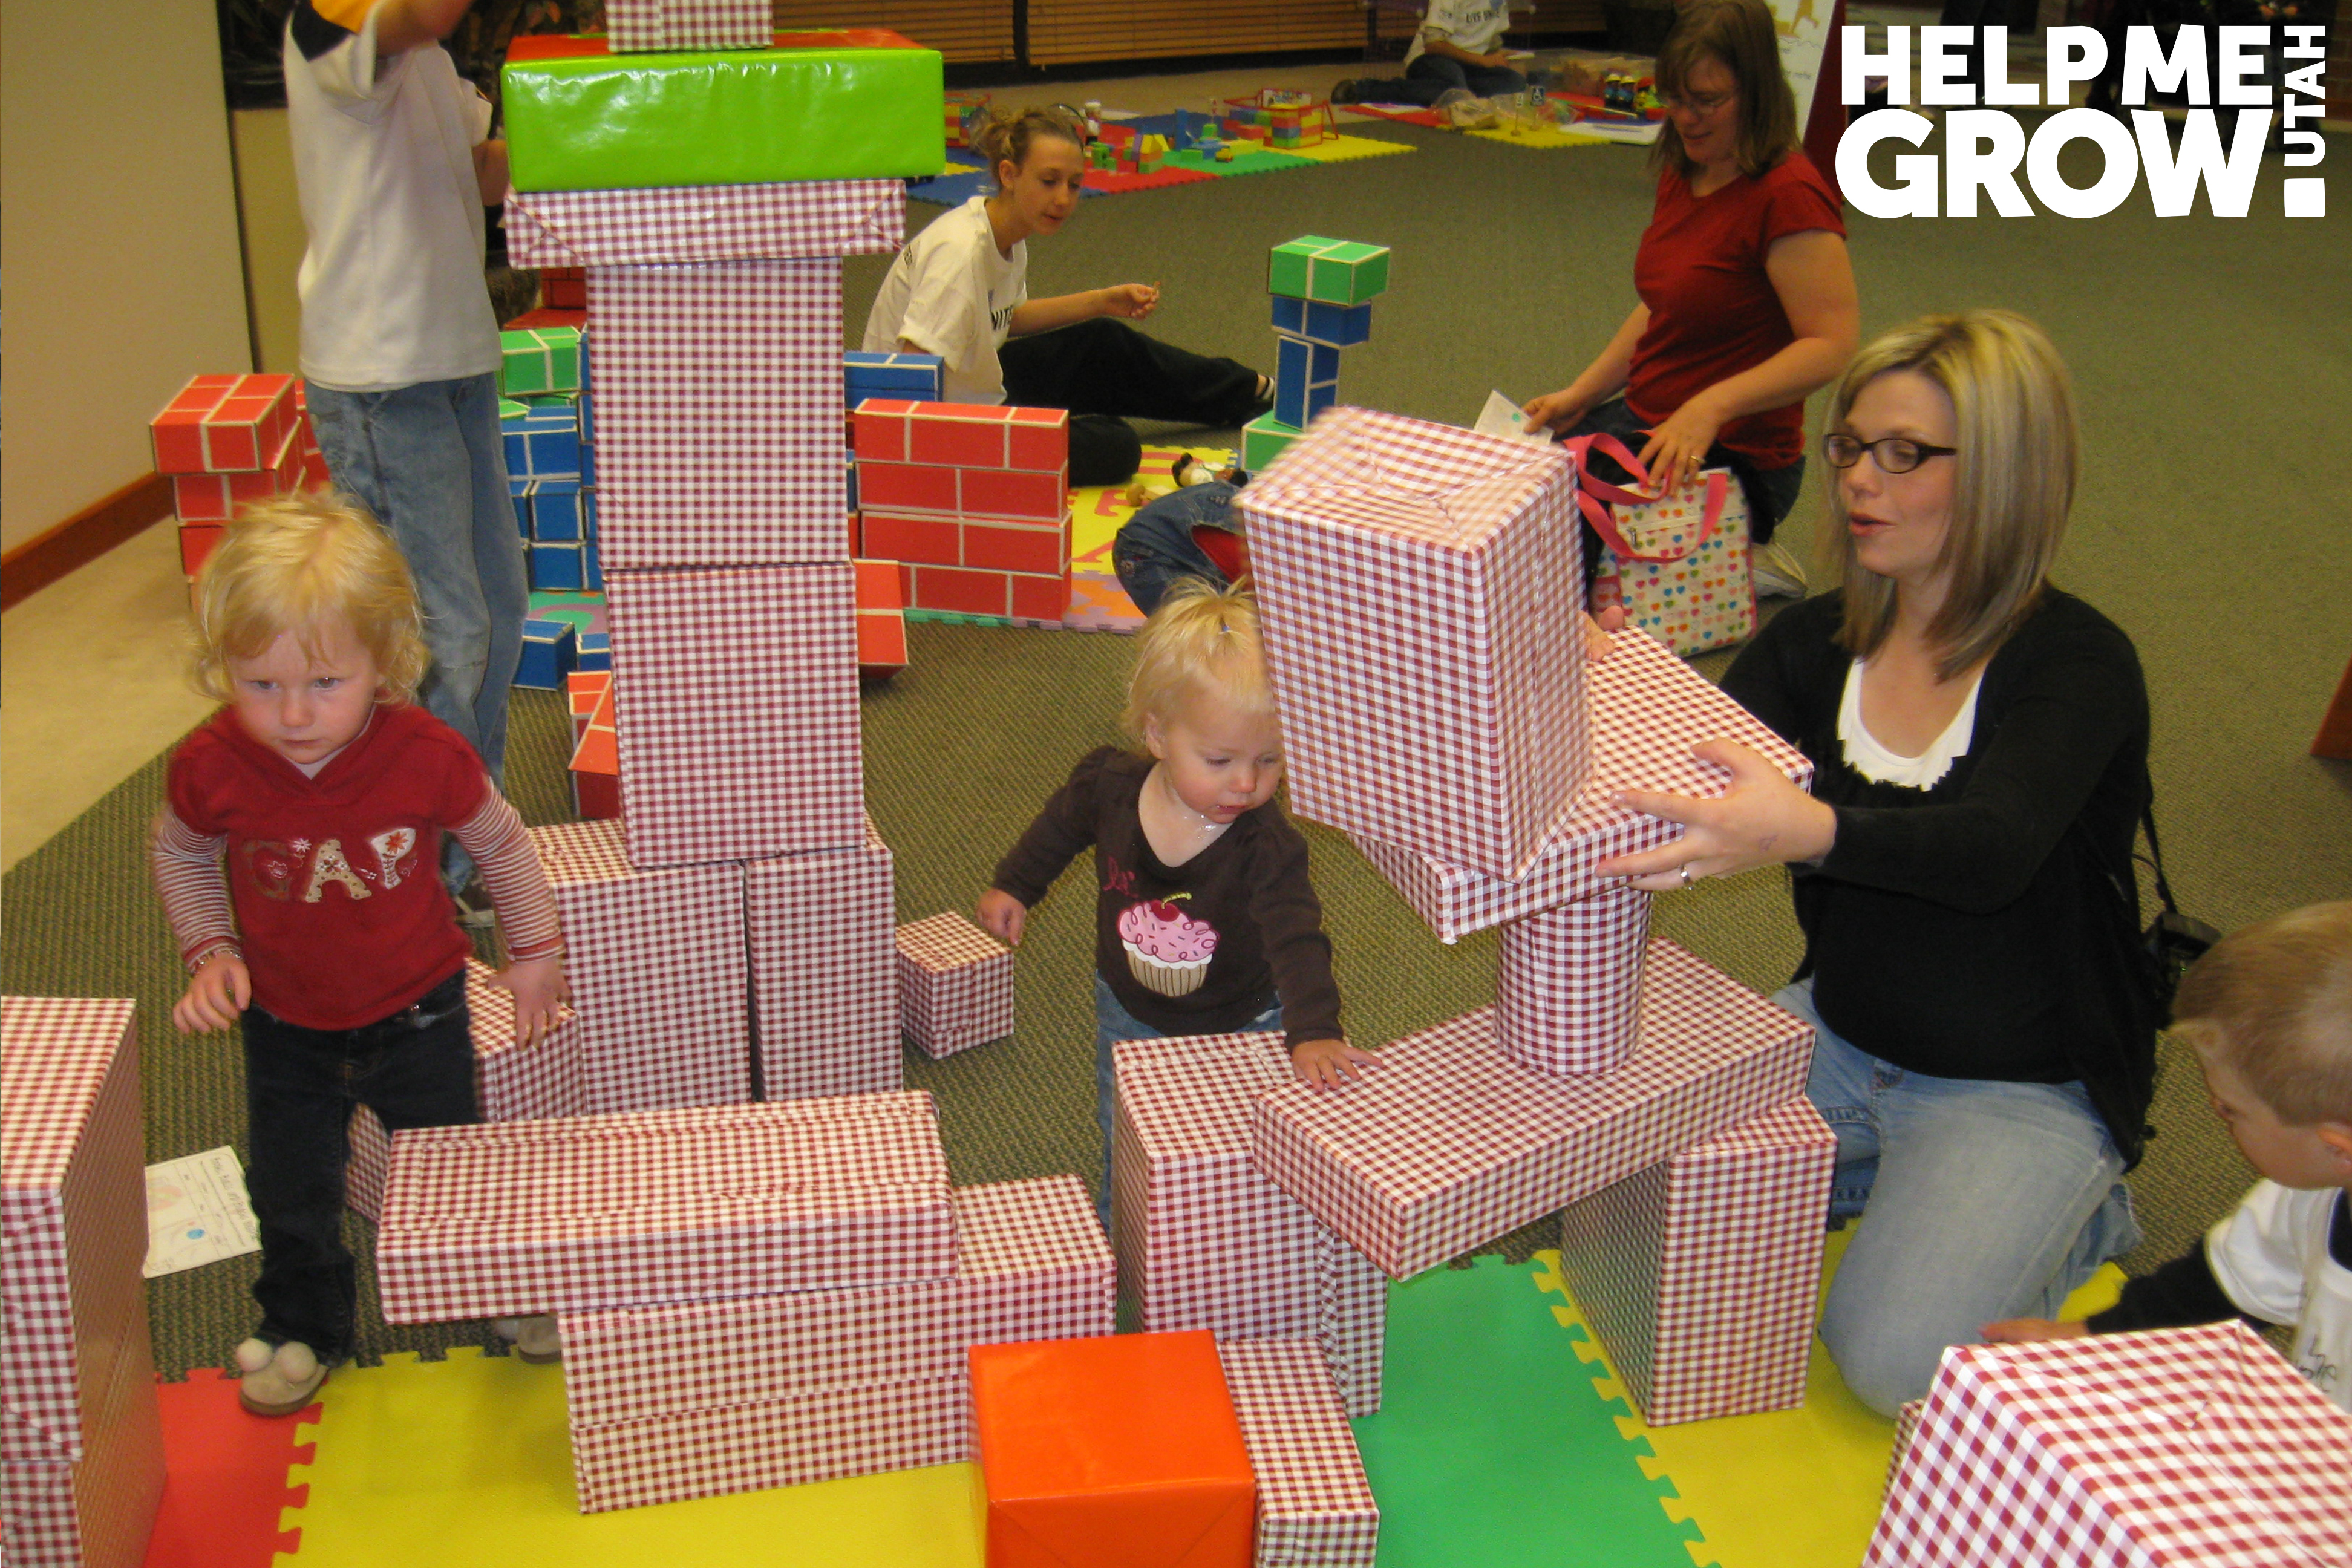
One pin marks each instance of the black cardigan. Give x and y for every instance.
(1987, 927)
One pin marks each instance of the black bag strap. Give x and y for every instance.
(2155, 856)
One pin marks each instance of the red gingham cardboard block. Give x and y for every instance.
(736, 696)
(1649, 709)
(2156, 1450)
(955, 984)
(97, 1512)
(1204, 1241)
(807, 1385)
(824, 981)
(73, 1222)
(1315, 1508)
(512, 1082)
(1698, 1275)
(657, 968)
(215, 498)
(1907, 1427)
(962, 435)
(717, 415)
(1570, 982)
(223, 424)
(643, 27)
(1452, 1143)
(513, 1218)
(1412, 577)
(686, 225)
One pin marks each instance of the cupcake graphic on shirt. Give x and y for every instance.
(1167, 949)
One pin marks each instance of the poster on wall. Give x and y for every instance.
(1804, 28)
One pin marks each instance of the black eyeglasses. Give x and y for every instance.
(1893, 454)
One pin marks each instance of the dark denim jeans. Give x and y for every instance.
(1105, 373)
(1154, 548)
(1430, 76)
(1771, 492)
(415, 1069)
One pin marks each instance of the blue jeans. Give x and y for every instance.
(1154, 548)
(1986, 1201)
(1113, 1024)
(1429, 77)
(428, 461)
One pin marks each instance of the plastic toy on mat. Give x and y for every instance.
(964, 110)
(1279, 117)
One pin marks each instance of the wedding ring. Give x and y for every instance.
(1686, 869)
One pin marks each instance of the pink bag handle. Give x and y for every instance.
(1592, 492)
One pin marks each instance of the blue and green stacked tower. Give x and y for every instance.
(1323, 290)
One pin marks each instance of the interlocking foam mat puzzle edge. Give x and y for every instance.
(227, 1502)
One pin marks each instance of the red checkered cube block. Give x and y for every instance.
(955, 984)
(824, 982)
(1569, 985)
(224, 425)
(575, 1214)
(1452, 1143)
(657, 962)
(1204, 1241)
(1412, 578)
(1649, 709)
(1699, 1274)
(685, 225)
(736, 698)
(807, 1385)
(216, 498)
(1314, 1505)
(512, 1082)
(640, 26)
(2168, 1448)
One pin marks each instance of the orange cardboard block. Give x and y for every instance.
(1116, 1452)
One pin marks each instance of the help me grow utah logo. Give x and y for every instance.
(2224, 85)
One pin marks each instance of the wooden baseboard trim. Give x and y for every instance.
(84, 537)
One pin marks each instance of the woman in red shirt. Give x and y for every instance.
(1747, 296)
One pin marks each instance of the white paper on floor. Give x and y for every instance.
(197, 1213)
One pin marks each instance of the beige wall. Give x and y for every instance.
(119, 248)
(274, 237)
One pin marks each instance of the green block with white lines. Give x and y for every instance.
(1328, 271)
(539, 360)
(1262, 439)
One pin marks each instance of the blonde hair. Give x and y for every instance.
(2012, 479)
(1741, 36)
(299, 564)
(1002, 138)
(2273, 1002)
(1202, 642)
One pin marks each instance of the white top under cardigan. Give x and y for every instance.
(1873, 760)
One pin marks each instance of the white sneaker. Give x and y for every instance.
(535, 1339)
(279, 1380)
(1775, 572)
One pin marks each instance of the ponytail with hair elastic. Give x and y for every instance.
(1002, 138)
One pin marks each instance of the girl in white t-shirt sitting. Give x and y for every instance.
(960, 289)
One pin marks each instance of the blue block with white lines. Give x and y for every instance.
(559, 568)
(915, 376)
(543, 441)
(1340, 326)
(595, 651)
(1306, 379)
(550, 650)
(556, 512)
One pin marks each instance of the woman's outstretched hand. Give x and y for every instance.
(1130, 301)
(1555, 411)
(1761, 820)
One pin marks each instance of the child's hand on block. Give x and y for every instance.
(1002, 916)
(541, 994)
(218, 991)
(1329, 1064)
(2026, 1330)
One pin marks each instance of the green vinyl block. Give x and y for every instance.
(539, 360)
(1263, 440)
(1329, 271)
(816, 107)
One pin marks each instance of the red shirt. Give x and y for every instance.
(1713, 311)
(336, 880)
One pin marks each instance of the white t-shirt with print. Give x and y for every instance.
(2271, 1257)
(1473, 26)
(952, 293)
(383, 156)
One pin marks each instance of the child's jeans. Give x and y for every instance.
(415, 1069)
(1113, 1024)
(1154, 549)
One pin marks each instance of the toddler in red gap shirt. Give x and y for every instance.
(1205, 919)
(322, 791)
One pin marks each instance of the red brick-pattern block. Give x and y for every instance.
(513, 1218)
(1204, 1241)
(596, 754)
(955, 984)
(2141, 1450)
(962, 435)
(1649, 709)
(881, 615)
(645, 26)
(804, 220)
(197, 542)
(1315, 1507)
(736, 697)
(1452, 1143)
(224, 425)
(1699, 1274)
(984, 544)
(1025, 597)
(1412, 578)
(963, 492)
(216, 498)
(1569, 984)
(778, 1389)
(824, 981)
(658, 972)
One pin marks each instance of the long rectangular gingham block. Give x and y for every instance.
(735, 693)
(801, 220)
(73, 1222)
(1649, 709)
(513, 1218)
(2160, 1450)
(658, 974)
(1569, 989)
(955, 984)
(1412, 578)
(825, 981)
(1315, 1508)
(719, 413)
(645, 26)
(1204, 1241)
(796, 1387)
(1452, 1143)
(1699, 1274)
(97, 1511)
